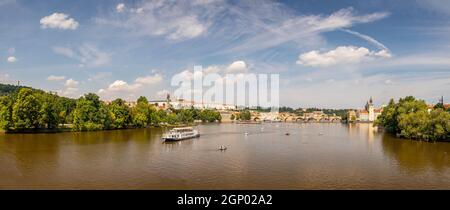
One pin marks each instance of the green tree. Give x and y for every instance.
(48, 115)
(94, 98)
(120, 113)
(388, 117)
(154, 117)
(6, 113)
(410, 118)
(142, 100)
(171, 119)
(413, 124)
(26, 110)
(105, 116)
(245, 115)
(159, 117)
(185, 116)
(90, 114)
(141, 113)
(207, 115)
(85, 116)
(439, 125)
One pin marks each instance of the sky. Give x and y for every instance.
(329, 54)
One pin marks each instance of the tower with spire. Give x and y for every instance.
(370, 109)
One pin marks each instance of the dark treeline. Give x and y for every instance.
(33, 110)
(6, 89)
(411, 118)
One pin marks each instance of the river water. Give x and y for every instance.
(313, 156)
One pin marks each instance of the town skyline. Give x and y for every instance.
(333, 55)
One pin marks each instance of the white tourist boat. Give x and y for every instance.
(177, 134)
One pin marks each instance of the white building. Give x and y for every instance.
(184, 104)
(369, 113)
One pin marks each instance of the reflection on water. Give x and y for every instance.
(313, 156)
(417, 156)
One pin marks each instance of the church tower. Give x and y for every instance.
(371, 110)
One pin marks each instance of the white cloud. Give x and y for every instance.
(55, 78)
(253, 26)
(12, 59)
(59, 21)
(69, 92)
(130, 89)
(88, 55)
(71, 83)
(282, 26)
(120, 85)
(70, 88)
(340, 55)
(120, 7)
(237, 67)
(149, 80)
(173, 20)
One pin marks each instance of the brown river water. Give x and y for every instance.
(313, 156)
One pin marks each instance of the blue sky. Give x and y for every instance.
(328, 53)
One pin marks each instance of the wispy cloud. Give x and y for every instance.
(368, 39)
(88, 55)
(302, 30)
(172, 20)
(55, 78)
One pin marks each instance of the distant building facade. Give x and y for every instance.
(368, 114)
(185, 104)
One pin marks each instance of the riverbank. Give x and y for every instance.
(68, 129)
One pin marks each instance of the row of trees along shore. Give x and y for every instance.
(35, 110)
(410, 118)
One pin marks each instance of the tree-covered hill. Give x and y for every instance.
(6, 89)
